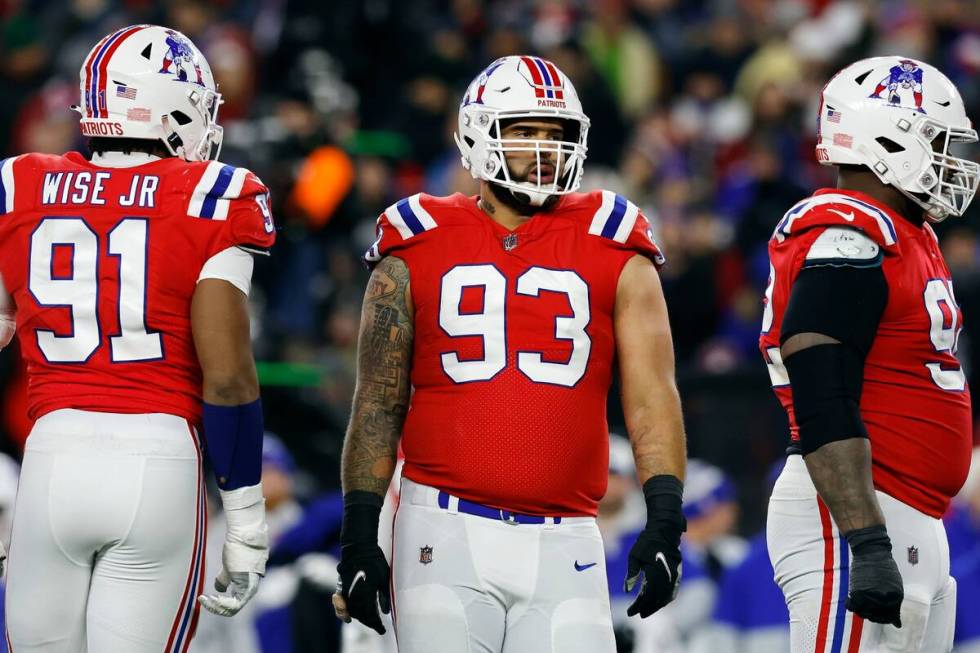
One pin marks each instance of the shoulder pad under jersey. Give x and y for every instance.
(237, 196)
(400, 226)
(839, 210)
(623, 226)
(843, 247)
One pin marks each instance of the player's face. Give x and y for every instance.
(523, 165)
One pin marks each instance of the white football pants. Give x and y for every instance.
(108, 536)
(811, 561)
(470, 584)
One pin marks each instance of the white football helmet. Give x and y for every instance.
(522, 87)
(150, 82)
(886, 113)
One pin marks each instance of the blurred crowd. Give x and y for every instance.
(703, 113)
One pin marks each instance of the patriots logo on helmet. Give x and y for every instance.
(901, 79)
(482, 83)
(179, 59)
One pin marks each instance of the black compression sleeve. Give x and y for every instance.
(826, 382)
(664, 495)
(362, 513)
(842, 302)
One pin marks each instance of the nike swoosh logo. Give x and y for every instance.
(358, 576)
(663, 560)
(847, 216)
(579, 567)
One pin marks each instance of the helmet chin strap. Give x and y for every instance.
(522, 202)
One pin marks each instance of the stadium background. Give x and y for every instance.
(703, 113)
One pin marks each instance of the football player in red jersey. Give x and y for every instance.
(488, 334)
(127, 277)
(859, 332)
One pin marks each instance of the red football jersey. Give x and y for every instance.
(102, 264)
(513, 346)
(915, 401)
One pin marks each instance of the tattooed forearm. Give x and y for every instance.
(384, 358)
(841, 472)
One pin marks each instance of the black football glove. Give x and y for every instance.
(656, 553)
(363, 569)
(876, 590)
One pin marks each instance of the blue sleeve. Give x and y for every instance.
(233, 440)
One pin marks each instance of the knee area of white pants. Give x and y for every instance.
(915, 617)
(431, 614)
(581, 624)
(948, 595)
(804, 618)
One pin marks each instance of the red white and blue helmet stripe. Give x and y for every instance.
(545, 78)
(96, 76)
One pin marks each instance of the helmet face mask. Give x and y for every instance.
(903, 120)
(512, 89)
(149, 82)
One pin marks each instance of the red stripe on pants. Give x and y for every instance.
(201, 556)
(854, 645)
(100, 92)
(194, 550)
(828, 577)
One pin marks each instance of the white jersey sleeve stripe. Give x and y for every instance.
(206, 183)
(628, 222)
(233, 191)
(602, 214)
(395, 218)
(409, 217)
(424, 217)
(7, 185)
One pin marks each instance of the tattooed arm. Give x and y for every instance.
(384, 359)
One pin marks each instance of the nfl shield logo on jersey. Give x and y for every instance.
(510, 241)
(913, 555)
(425, 555)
